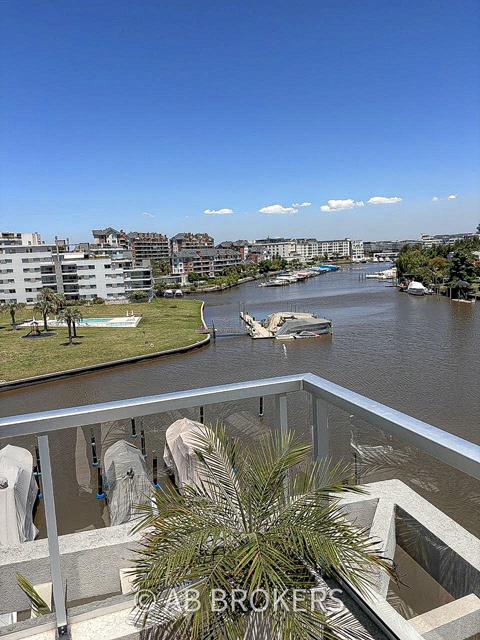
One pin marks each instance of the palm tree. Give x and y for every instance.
(60, 302)
(12, 307)
(45, 307)
(68, 315)
(76, 317)
(264, 521)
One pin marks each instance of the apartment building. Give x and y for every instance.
(183, 241)
(148, 245)
(305, 249)
(9, 238)
(111, 237)
(25, 271)
(242, 246)
(429, 241)
(207, 262)
(276, 247)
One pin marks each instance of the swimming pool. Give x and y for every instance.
(117, 322)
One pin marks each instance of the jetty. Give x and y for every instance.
(254, 327)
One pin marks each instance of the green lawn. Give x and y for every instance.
(165, 324)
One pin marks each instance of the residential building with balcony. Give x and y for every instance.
(111, 237)
(276, 247)
(207, 262)
(190, 241)
(25, 271)
(8, 238)
(148, 245)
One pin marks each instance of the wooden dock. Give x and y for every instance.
(254, 328)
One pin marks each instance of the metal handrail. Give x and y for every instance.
(444, 446)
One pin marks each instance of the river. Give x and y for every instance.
(419, 355)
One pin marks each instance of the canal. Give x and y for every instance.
(419, 355)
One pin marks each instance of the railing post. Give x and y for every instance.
(282, 413)
(320, 428)
(52, 533)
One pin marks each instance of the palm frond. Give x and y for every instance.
(38, 604)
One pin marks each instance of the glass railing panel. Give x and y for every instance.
(434, 512)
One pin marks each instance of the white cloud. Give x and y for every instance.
(278, 209)
(339, 205)
(435, 199)
(384, 200)
(218, 212)
(147, 214)
(452, 197)
(301, 205)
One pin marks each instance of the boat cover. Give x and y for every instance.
(127, 482)
(179, 455)
(295, 326)
(18, 492)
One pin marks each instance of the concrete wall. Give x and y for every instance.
(91, 561)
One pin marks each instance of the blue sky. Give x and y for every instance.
(115, 109)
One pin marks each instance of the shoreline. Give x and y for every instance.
(70, 373)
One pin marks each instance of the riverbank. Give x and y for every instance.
(167, 326)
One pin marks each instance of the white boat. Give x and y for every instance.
(178, 293)
(181, 441)
(168, 293)
(18, 492)
(416, 289)
(126, 481)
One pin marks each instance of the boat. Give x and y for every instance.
(416, 288)
(18, 493)
(126, 481)
(285, 325)
(181, 441)
(387, 274)
(178, 293)
(168, 293)
(276, 282)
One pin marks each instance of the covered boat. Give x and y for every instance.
(18, 492)
(416, 289)
(181, 441)
(287, 324)
(127, 482)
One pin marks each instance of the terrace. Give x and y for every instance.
(406, 465)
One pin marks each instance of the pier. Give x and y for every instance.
(254, 328)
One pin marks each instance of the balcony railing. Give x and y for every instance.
(322, 396)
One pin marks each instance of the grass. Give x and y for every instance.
(165, 324)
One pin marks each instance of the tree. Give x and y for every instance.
(45, 307)
(138, 296)
(12, 308)
(68, 316)
(194, 277)
(76, 317)
(461, 274)
(262, 520)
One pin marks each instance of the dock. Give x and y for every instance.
(254, 328)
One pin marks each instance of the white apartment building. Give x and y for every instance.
(309, 248)
(276, 247)
(9, 238)
(25, 271)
